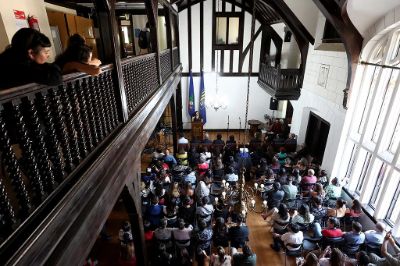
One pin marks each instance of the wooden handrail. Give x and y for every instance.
(30, 88)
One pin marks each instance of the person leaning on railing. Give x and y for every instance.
(78, 58)
(25, 61)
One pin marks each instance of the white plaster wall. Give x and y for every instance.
(323, 101)
(290, 54)
(306, 11)
(30, 7)
(232, 90)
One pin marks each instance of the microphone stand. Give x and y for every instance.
(240, 128)
(227, 131)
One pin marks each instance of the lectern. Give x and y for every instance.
(197, 130)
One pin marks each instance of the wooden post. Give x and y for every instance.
(174, 123)
(111, 49)
(152, 15)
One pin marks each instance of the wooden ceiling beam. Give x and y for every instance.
(352, 39)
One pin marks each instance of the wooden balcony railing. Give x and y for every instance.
(165, 64)
(175, 56)
(46, 132)
(50, 135)
(140, 79)
(283, 84)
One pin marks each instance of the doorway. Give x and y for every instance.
(316, 136)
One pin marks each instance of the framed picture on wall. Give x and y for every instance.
(323, 75)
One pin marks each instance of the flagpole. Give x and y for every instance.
(227, 131)
(240, 128)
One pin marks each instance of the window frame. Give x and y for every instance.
(228, 15)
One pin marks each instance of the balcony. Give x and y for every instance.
(65, 154)
(282, 84)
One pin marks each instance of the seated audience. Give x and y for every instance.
(354, 238)
(239, 234)
(246, 258)
(218, 168)
(333, 230)
(221, 259)
(308, 181)
(202, 166)
(162, 257)
(220, 233)
(332, 257)
(231, 141)
(25, 61)
(206, 139)
(154, 212)
(388, 259)
(231, 176)
(334, 190)
(355, 210)
(282, 176)
(163, 234)
(293, 237)
(374, 238)
(182, 234)
(182, 157)
(182, 139)
(279, 217)
(290, 189)
(219, 140)
(303, 217)
(205, 210)
(204, 237)
(187, 211)
(320, 212)
(323, 178)
(340, 209)
(169, 159)
(281, 156)
(318, 191)
(202, 190)
(275, 196)
(125, 233)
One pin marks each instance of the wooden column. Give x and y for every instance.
(174, 123)
(169, 36)
(133, 208)
(152, 15)
(179, 107)
(111, 49)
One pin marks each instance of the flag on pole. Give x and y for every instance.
(202, 105)
(191, 110)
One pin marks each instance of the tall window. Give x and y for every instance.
(371, 158)
(227, 29)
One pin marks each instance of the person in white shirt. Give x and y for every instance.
(182, 139)
(293, 237)
(182, 234)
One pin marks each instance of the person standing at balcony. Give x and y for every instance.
(144, 40)
(25, 61)
(78, 58)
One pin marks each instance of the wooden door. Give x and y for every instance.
(317, 136)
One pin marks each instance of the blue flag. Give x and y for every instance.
(202, 105)
(191, 96)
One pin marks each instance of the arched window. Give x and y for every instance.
(370, 159)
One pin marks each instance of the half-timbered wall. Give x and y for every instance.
(233, 85)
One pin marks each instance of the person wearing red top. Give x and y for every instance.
(332, 230)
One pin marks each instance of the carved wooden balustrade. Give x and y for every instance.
(140, 79)
(51, 135)
(46, 132)
(165, 64)
(283, 84)
(175, 56)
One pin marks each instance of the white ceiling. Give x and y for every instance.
(363, 13)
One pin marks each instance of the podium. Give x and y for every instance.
(197, 131)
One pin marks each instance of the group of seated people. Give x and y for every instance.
(185, 214)
(308, 216)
